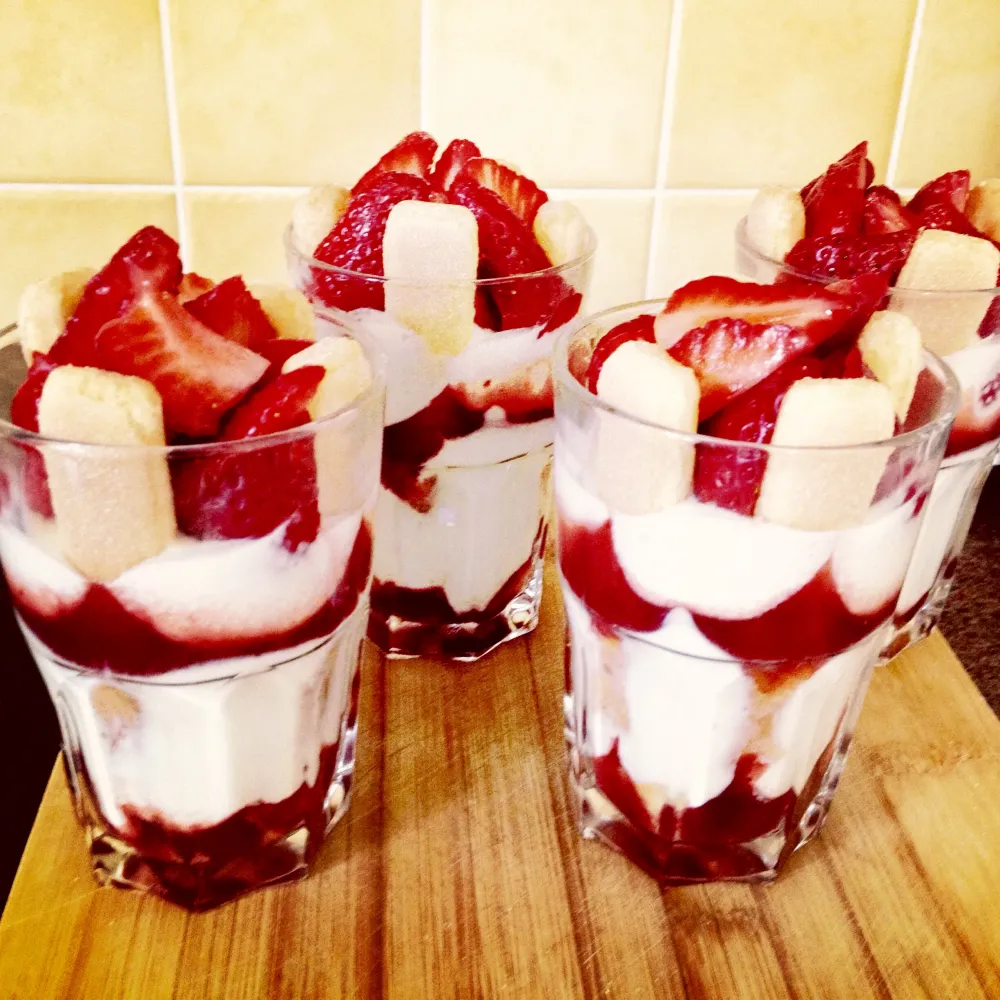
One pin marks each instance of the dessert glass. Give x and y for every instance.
(207, 697)
(972, 445)
(463, 505)
(716, 663)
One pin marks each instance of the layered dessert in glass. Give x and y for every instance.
(462, 272)
(939, 252)
(740, 477)
(187, 483)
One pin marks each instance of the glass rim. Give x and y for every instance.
(554, 270)
(565, 379)
(745, 244)
(208, 449)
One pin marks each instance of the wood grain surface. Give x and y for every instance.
(458, 871)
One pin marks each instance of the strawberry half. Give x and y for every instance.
(731, 477)
(199, 374)
(457, 153)
(249, 494)
(944, 215)
(884, 212)
(834, 202)
(849, 255)
(192, 285)
(948, 189)
(148, 262)
(355, 242)
(231, 311)
(413, 154)
(523, 196)
(508, 247)
(277, 352)
(639, 328)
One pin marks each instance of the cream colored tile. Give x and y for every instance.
(238, 234)
(695, 238)
(776, 93)
(621, 223)
(82, 92)
(44, 233)
(569, 91)
(299, 92)
(952, 119)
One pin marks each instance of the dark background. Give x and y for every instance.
(29, 735)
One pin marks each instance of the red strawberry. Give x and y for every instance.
(991, 321)
(249, 494)
(884, 212)
(487, 316)
(834, 202)
(456, 153)
(948, 189)
(413, 154)
(944, 215)
(192, 285)
(277, 352)
(523, 196)
(149, 261)
(848, 255)
(231, 311)
(355, 243)
(507, 246)
(731, 477)
(639, 328)
(199, 374)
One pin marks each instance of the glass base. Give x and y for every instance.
(918, 623)
(409, 623)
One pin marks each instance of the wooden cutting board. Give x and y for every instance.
(459, 872)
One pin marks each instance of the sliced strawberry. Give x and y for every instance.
(413, 154)
(991, 321)
(523, 196)
(884, 212)
(639, 328)
(834, 202)
(355, 243)
(249, 494)
(192, 285)
(948, 189)
(456, 153)
(149, 261)
(231, 311)
(199, 374)
(848, 255)
(944, 215)
(731, 477)
(277, 352)
(507, 247)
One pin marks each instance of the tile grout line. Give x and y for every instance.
(425, 32)
(666, 126)
(173, 123)
(904, 93)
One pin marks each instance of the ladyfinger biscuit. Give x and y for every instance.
(45, 307)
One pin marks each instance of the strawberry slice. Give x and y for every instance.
(523, 196)
(834, 201)
(149, 261)
(944, 215)
(456, 154)
(507, 247)
(413, 154)
(731, 477)
(848, 255)
(639, 328)
(199, 374)
(948, 189)
(884, 212)
(355, 242)
(231, 311)
(277, 352)
(249, 494)
(192, 285)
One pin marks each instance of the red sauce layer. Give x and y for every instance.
(99, 633)
(813, 623)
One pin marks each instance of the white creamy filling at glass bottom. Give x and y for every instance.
(481, 528)
(947, 505)
(194, 746)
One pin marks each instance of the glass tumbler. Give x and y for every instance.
(207, 693)
(717, 661)
(463, 507)
(972, 445)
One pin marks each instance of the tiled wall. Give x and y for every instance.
(657, 118)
